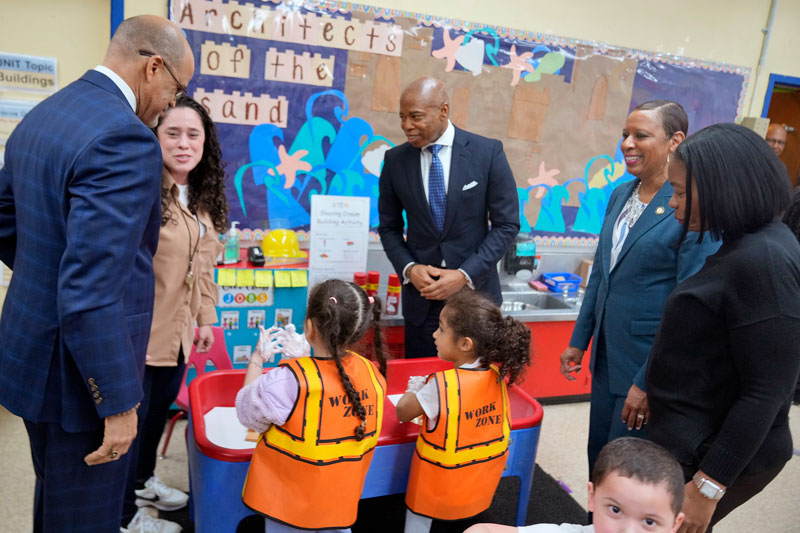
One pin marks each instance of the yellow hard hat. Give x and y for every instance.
(282, 243)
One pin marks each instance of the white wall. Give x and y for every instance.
(75, 32)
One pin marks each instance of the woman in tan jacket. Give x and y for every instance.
(194, 213)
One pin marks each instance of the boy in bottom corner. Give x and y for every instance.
(636, 486)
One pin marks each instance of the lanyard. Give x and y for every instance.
(190, 270)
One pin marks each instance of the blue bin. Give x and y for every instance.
(557, 281)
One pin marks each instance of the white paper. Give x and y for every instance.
(339, 237)
(394, 398)
(11, 113)
(224, 430)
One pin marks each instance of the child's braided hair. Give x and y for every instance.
(341, 312)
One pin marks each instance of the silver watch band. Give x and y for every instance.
(708, 488)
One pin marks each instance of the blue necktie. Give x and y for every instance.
(436, 192)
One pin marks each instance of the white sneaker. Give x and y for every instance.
(156, 494)
(144, 523)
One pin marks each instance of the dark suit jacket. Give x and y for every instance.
(79, 220)
(627, 302)
(466, 241)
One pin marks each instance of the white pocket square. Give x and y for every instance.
(470, 185)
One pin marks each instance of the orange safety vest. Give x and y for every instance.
(458, 464)
(309, 472)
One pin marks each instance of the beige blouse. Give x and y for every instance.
(177, 305)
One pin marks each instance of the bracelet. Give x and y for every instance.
(258, 365)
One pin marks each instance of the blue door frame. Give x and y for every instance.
(780, 80)
(117, 14)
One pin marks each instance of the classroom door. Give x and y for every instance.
(783, 107)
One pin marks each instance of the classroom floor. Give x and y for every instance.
(561, 454)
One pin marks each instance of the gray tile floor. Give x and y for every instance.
(561, 453)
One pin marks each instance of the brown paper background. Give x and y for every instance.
(553, 124)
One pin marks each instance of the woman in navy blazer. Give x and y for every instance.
(639, 260)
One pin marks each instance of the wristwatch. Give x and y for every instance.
(708, 488)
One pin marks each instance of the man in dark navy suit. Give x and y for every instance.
(79, 221)
(451, 185)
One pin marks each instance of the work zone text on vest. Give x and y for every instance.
(343, 401)
(482, 417)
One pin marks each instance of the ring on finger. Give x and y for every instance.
(113, 455)
(640, 416)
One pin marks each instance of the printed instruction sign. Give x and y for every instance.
(11, 113)
(339, 237)
(29, 73)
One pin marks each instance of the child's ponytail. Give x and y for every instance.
(513, 348)
(498, 339)
(377, 335)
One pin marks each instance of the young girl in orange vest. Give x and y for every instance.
(320, 416)
(463, 442)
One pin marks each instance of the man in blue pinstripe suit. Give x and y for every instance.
(79, 221)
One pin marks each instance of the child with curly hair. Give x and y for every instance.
(463, 443)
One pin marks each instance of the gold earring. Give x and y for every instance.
(668, 158)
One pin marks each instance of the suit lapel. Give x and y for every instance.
(459, 163)
(656, 212)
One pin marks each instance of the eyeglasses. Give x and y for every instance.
(779, 142)
(182, 90)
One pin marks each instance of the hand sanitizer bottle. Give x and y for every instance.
(231, 253)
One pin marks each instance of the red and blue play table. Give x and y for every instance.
(216, 474)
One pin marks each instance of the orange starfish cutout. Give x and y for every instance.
(448, 50)
(290, 165)
(519, 63)
(545, 177)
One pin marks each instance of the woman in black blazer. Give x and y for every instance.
(792, 219)
(726, 358)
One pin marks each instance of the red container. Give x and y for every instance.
(394, 343)
(360, 279)
(373, 280)
(392, 305)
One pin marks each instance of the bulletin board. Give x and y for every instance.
(306, 95)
